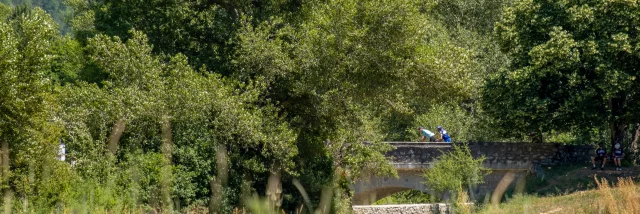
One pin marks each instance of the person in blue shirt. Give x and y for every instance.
(601, 154)
(426, 134)
(617, 156)
(444, 136)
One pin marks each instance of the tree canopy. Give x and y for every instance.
(179, 105)
(59, 11)
(574, 64)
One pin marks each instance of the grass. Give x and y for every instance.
(569, 179)
(560, 180)
(623, 197)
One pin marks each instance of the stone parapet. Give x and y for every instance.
(403, 209)
(415, 155)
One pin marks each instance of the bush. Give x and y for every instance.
(408, 197)
(454, 170)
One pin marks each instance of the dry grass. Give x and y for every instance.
(628, 196)
(462, 204)
(623, 198)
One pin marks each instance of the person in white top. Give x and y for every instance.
(62, 151)
(426, 134)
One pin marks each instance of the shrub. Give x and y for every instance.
(455, 169)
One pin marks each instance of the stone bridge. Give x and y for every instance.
(410, 158)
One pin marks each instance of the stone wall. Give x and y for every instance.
(411, 155)
(403, 209)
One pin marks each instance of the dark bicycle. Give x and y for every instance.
(568, 156)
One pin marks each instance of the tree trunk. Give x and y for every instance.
(634, 140)
(114, 138)
(541, 139)
(633, 147)
(274, 189)
(165, 177)
(220, 180)
(8, 195)
(502, 186)
(618, 125)
(618, 133)
(167, 138)
(5, 161)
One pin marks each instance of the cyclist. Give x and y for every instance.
(444, 136)
(535, 137)
(426, 134)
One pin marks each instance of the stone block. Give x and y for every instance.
(404, 208)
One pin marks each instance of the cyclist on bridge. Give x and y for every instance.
(444, 136)
(426, 134)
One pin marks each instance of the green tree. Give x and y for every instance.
(57, 9)
(68, 61)
(28, 134)
(455, 169)
(330, 75)
(479, 16)
(344, 70)
(459, 123)
(5, 11)
(574, 64)
(201, 30)
(470, 25)
(150, 108)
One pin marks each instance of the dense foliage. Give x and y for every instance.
(58, 9)
(179, 105)
(408, 197)
(574, 66)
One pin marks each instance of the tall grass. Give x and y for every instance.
(623, 198)
(462, 204)
(630, 193)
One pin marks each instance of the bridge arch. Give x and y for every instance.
(373, 189)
